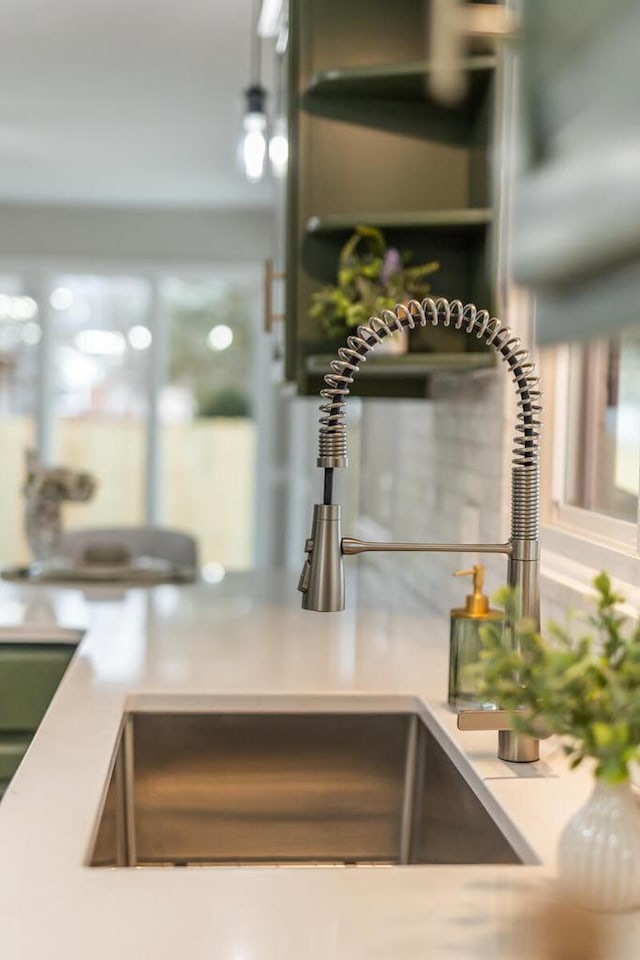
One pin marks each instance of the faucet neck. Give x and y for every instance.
(525, 479)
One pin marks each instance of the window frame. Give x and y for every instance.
(590, 539)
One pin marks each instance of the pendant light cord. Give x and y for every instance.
(256, 46)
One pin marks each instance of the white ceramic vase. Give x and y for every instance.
(599, 852)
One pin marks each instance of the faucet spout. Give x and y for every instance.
(352, 546)
(322, 579)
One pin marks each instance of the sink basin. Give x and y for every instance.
(340, 788)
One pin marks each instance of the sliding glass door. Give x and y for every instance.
(99, 397)
(148, 381)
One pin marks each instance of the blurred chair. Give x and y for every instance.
(122, 545)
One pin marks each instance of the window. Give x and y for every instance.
(149, 382)
(596, 443)
(603, 473)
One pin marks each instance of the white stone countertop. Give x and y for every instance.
(246, 643)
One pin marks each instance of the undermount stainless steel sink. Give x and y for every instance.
(341, 788)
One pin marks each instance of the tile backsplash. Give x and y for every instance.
(433, 470)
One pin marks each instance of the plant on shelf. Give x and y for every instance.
(587, 692)
(371, 277)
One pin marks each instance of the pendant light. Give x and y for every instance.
(253, 146)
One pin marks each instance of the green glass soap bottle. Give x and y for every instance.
(465, 643)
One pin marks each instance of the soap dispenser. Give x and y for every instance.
(465, 643)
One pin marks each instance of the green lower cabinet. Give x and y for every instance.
(29, 677)
(13, 747)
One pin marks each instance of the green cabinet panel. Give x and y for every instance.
(13, 747)
(29, 677)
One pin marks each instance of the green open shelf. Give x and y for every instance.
(436, 220)
(456, 238)
(403, 375)
(373, 145)
(408, 364)
(396, 97)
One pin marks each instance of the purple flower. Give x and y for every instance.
(391, 264)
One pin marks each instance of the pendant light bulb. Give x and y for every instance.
(254, 140)
(279, 148)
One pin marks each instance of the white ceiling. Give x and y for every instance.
(125, 102)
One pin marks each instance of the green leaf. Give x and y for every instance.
(603, 733)
(584, 689)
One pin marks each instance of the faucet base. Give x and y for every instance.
(517, 748)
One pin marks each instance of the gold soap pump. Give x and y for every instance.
(465, 642)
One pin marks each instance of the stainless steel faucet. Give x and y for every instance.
(322, 578)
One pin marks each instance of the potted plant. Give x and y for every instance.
(371, 277)
(587, 692)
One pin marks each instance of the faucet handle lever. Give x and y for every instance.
(484, 720)
(512, 746)
(305, 576)
(496, 720)
(305, 573)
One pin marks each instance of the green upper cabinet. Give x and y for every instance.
(370, 145)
